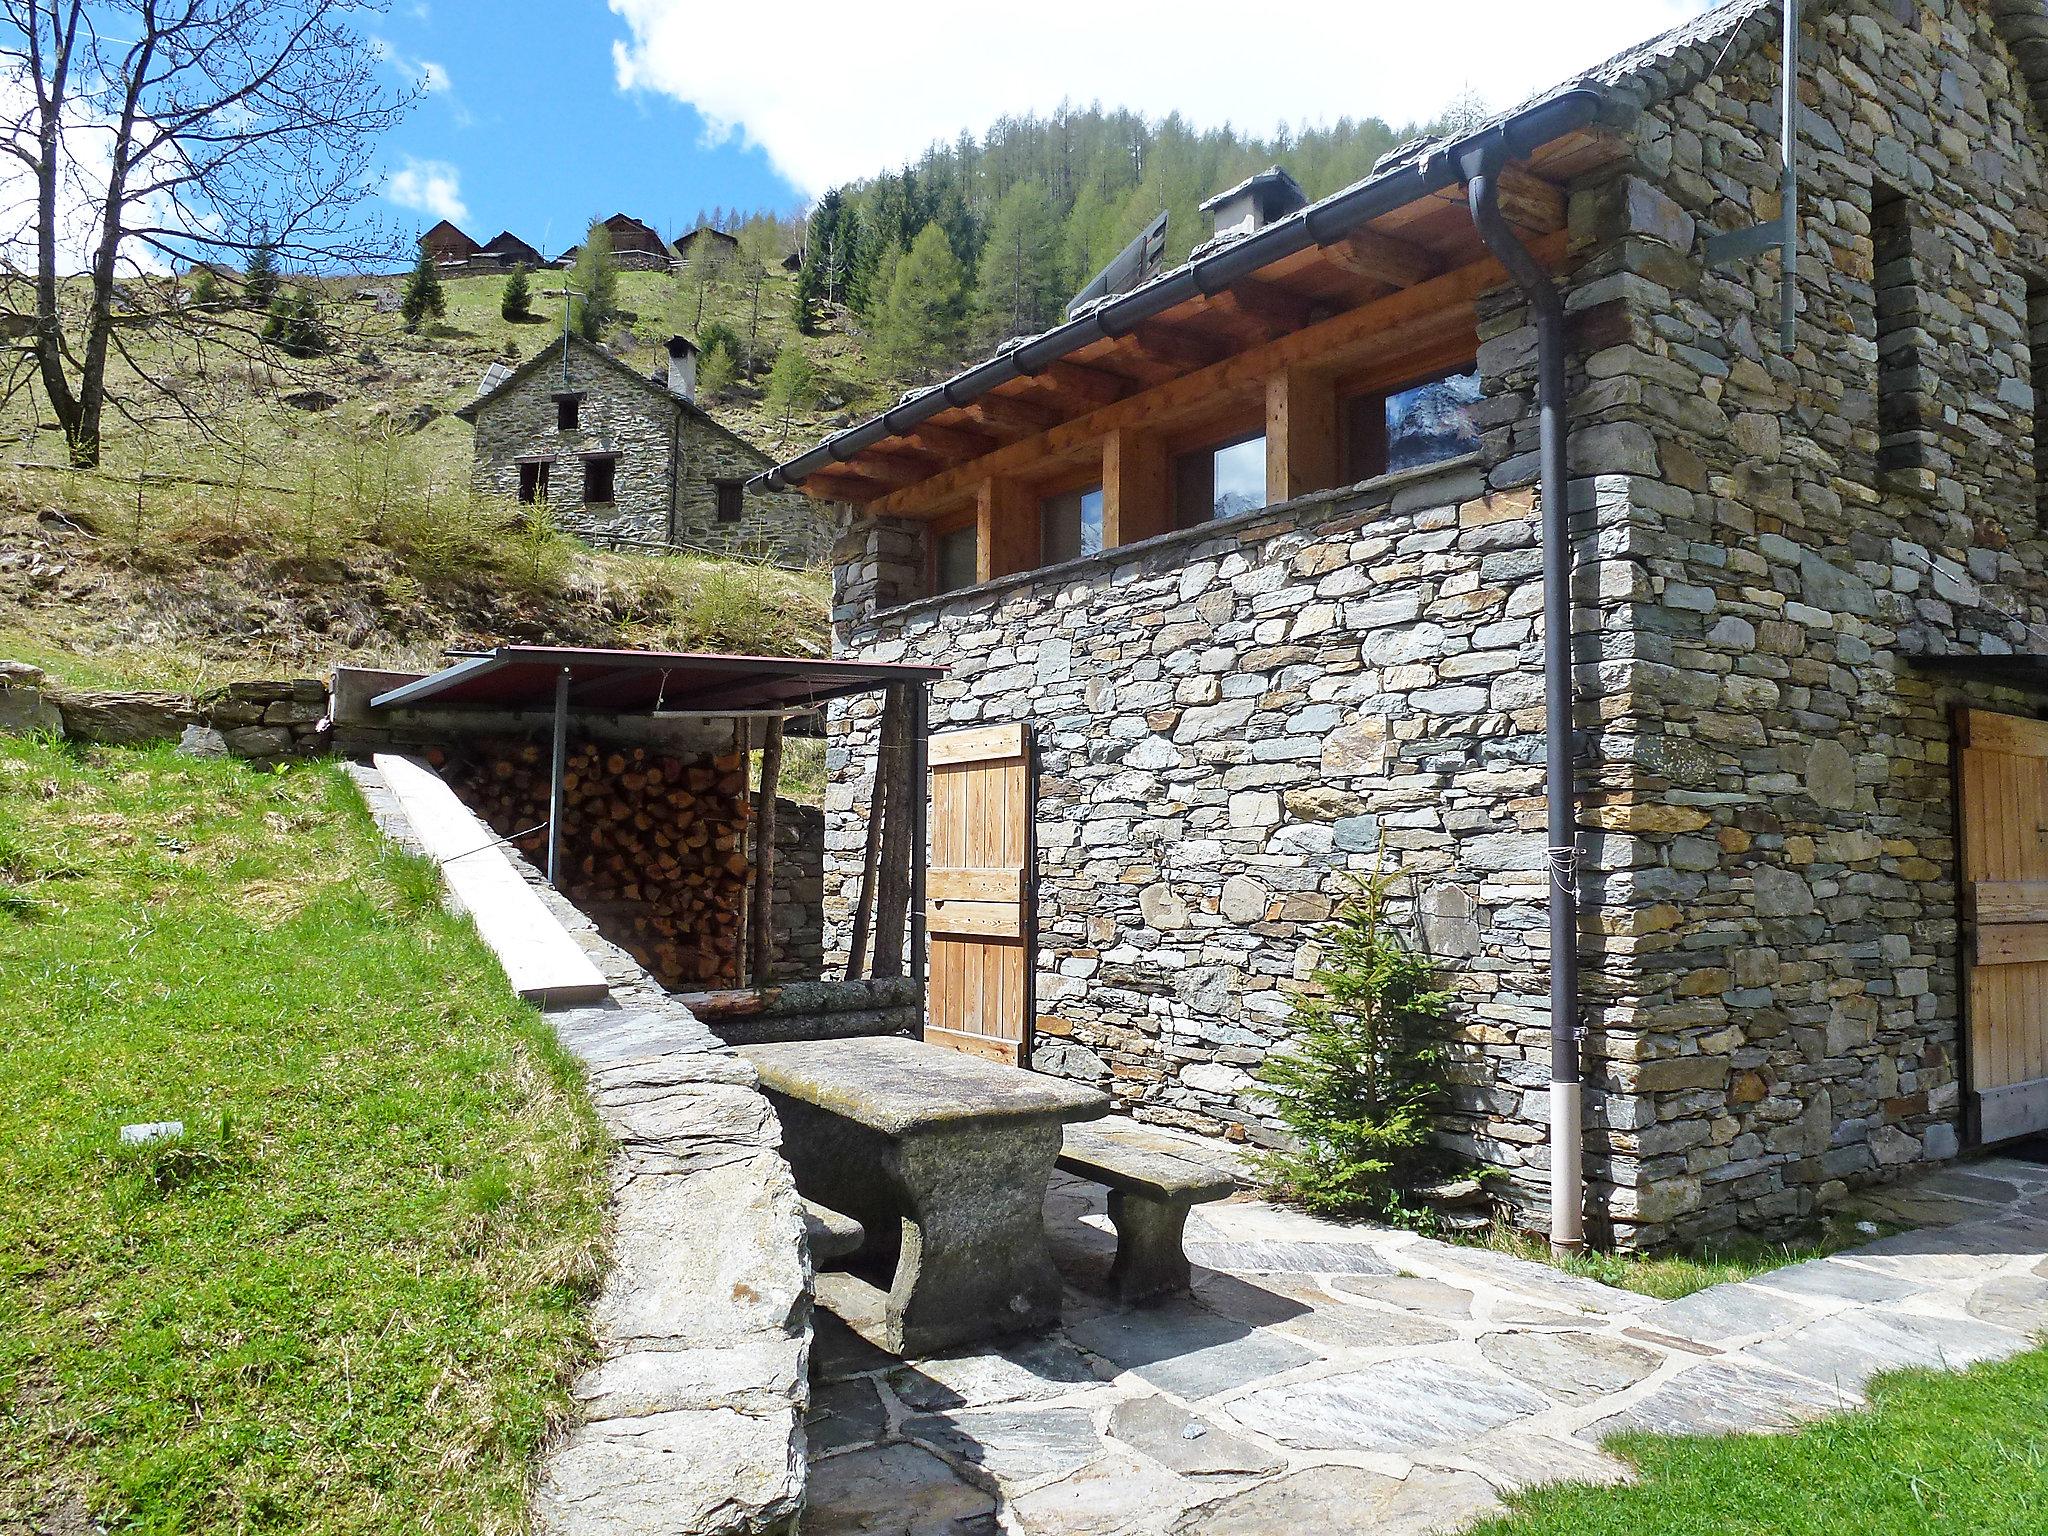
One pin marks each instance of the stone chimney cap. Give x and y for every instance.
(680, 346)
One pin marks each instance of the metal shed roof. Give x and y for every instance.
(635, 682)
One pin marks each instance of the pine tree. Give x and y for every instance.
(516, 304)
(919, 331)
(706, 267)
(423, 295)
(760, 247)
(596, 279)
(792, 383)
(260, 278)
(807, 303)
(206, 294)
(1358, 1089)
(295, 325)
(1020, 284)
(716, 371)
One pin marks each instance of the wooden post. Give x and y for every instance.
(1301, 434)
(871, 857)
(920, 805)
(556, 763)
(892, 880)
(764, 853)
(1006, 529)
(1137, 493)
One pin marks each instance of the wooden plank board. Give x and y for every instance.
(963, 884)
(987, 1047)
(2006, 901)
(540, 959)
(978, 745)
(2018, 1109)
(2010, 734)
(2012, 944)
(984, 919)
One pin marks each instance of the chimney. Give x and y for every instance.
(1254, 203)
(682, 367)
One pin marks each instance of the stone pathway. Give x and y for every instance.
(1333, 1378)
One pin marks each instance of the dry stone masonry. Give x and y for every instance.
(1232, 721)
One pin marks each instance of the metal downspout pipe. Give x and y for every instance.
(1481, 167)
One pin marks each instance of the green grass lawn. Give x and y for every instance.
(350, 1297)
(1936, 1453)
(1669, 1276)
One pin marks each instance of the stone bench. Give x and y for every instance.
(832, 1235)
(1153, 1185)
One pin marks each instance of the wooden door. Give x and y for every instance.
(978, 893)
(2004, 879)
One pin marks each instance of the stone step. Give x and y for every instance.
(832, 1235)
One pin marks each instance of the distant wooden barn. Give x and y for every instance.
(637, 245)
(723, 243)
(508, 250)
(444, 242)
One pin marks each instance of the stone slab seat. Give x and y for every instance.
(832, 1235)
(1153, 1185)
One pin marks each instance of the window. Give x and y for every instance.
(533, 480)
(731, 494)
(1070, 525)
(1218, 482)
(1900, 439)
(2037, 357)
(568, 408)
(956, 559)
(1407, 428)
(600, 472)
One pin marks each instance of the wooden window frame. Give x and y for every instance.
(1372, 400)
(1178, 456)
(935, 530)
(568, 409)
(542, 470)
(735, 510)
(611, 463)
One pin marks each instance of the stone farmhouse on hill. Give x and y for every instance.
(1240, 575)
(616, 454)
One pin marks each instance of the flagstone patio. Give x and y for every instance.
(1326, 1377)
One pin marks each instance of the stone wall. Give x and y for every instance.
(1789, 1024)
(799, 893)
(266, 723)
(1229, 723)
(1230, 720)
(670, 457)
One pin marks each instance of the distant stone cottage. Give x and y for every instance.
(616, 454)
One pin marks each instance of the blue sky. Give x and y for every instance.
(542, 114)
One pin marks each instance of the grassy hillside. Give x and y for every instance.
(349, 1297)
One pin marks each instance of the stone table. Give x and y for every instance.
(944, 1159)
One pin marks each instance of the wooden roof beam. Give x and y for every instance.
(895, 468)
(1530, 203)
(1014, 414)
(1174, 347)
(950, 442)
(838, 482)
(1089, 385)
(1274, 308)
(1385, 259)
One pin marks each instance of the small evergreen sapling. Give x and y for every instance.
(423, 295)
(1359, 1091)
(517, 303)
(260, 279)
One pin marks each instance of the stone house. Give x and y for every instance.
(1253, 557)
(638, 246)
(616, 454)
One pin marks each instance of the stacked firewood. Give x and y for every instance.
(653, 847)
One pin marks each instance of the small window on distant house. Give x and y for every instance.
(1070, 525)
(956, 559)
(731, 496)
(1899, 424)
(568, 408)
(1418, 424)
(1219, 482)
(600, 474)
(2037, 357)
(533, 480)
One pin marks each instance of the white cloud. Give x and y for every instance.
(831, 92)
(430, 186)
(431, 77)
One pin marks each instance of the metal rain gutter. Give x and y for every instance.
(1324, 222)
(1481, 166)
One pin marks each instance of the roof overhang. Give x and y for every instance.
(2010, 670)
(1435, 169)
(519, 677)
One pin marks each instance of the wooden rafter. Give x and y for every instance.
(1273, 308)
(1398, 329)
(1384, 258)
(1010, 411)
(1176, 346)
(951, 442)
(1529, 202)
(1078, 381)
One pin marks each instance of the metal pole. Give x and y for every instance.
(1567, 1178)
(555, 770)
(1788, 182)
